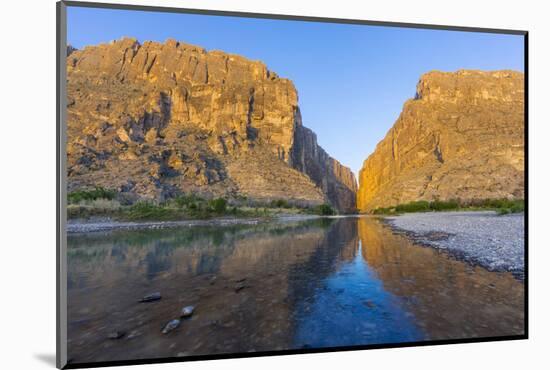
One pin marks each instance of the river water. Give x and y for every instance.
(275, 286)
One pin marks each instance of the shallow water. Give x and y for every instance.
(282, 285)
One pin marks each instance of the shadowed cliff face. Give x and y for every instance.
(461, 137)
(159, 119)
(336, 181)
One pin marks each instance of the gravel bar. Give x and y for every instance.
(493, 241)
(107, 225)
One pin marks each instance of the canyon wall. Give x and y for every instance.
(156, 120)
(461, 137)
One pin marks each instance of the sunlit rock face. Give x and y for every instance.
(156, 119)
(461, 137)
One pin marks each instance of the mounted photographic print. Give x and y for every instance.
(235, 184)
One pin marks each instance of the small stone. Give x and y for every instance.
(133, 334)
(151, 297)
(369, 304)
(240, 287)
(187, 311)
(173, 324)
(116, 334)
(229, 324)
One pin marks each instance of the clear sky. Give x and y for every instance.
(352, 80)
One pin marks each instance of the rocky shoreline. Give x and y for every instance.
(107, 224)
(481, 238)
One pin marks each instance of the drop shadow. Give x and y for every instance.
(47, 358)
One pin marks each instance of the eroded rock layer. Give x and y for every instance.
(461, 137)
(156, 120)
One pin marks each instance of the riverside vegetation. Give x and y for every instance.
(109, 203)
(501, 206)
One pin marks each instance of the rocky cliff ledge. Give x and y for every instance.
(156, 120)
(461, 137)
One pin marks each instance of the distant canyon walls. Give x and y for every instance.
(461, 137)
(159, 119)
(336, 180)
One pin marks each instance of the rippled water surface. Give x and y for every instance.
(281, 285)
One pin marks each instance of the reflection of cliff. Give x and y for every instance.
(237, 276)
(467, 304)
(338, 247)
(187, 251)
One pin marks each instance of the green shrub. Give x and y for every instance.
(511, 207)
(439, 205)
(218, 205)
(187, 200)
(149, 211)
(504, 203)
(90, 195)
(325, 210)
(517, 208)
(383, 211)
(98, 207)
(279, 203)
(502, 206)
(418, 206)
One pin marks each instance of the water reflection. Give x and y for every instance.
(275, 286)
(351, 307)
(449, 299)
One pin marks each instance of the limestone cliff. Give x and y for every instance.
(337, 181)
(461, 137)
(159, 119)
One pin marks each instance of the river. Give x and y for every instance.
(275, 286)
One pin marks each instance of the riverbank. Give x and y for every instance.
(77, 226)
(108, 204)
(485, 238)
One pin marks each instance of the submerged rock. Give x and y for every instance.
(116, 334)
(133, 334)
(171, 326)
(240, 287)
(151, 297)
(187, 311)
(369, 304)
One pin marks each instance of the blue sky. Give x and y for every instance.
(352, 80)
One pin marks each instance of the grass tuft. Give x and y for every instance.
(99, 192)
